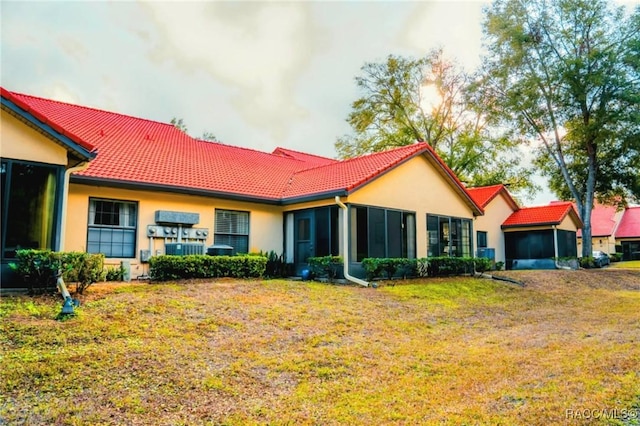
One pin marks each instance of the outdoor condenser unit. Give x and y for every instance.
(183, 249)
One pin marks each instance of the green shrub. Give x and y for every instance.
(615, 257)
(587, 262)
(115, 273)
(326, 266)
(482, 264)
(391, 267)
(39, 268)
(169, 267)
(276, 265)
(446, 266)
(499, 266)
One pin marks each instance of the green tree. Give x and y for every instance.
(179, 124)
(405, 100)
(565, 73)
(182, 126)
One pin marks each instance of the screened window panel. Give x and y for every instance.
(112, 228)
(377, 233)
(395, 234)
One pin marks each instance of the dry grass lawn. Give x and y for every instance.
(439, 351)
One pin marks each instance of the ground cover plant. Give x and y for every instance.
(454, 350)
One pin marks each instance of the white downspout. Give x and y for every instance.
(65, 195)
(345, 244)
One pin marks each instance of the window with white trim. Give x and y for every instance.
(112, 227)
(232, 228)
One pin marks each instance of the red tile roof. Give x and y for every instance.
(138, 151)
(45, 119)
(311, 159)
(603, 221)
(483, 195)
(629, 224)
(552, 214)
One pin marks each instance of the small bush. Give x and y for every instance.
(499, 266)
(115, 273)
(587, 262)
(615, 257)
(482, 264)
(39, 268)
(326, 266)
(169, 267)
(276, 264)
(446, 266)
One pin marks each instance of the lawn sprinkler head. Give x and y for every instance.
(67, 307)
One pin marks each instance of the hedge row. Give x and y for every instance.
(329, 266)
(38, 269)
(164, 268)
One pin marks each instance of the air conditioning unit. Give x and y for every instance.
(487, 253)
(183, 249)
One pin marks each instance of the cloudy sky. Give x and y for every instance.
(255, 74)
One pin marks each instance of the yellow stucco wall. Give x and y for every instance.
(606, 244)
(495, 213)
(414, 186)
(568, 224)
(21, 142)
(265, 222)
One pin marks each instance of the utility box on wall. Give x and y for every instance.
(175, 218)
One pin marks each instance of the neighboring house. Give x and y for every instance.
(498, 205)
(523, 236)
(139, 188)
(604, 222)
(628, 234)
(615, 231)
(543, 232)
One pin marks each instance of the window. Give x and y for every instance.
(30, 210)
(382, 233)
(448, 236)
(112, 227)
(482, 239)
(232, 229)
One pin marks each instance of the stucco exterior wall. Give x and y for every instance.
(568, 224)
(606, 244)
(20, 142)
(417, 187)
(495, 213)
(265, 222)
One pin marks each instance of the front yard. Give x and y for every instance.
(565, 349)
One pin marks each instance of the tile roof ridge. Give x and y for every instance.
(361, 157)
(91, 108)
(304, 153)
(227, 145)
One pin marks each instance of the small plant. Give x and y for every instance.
(499, 266)
(115, 273)
(587, 262)
(326, 266)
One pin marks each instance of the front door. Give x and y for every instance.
(304, 238)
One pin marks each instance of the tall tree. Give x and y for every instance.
(179, 124)
(407, 100)
(566, 73)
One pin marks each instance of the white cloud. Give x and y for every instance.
(453, 25)
(258, 49)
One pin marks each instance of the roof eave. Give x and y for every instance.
(134, 185)
(45, 128)
(314, 197)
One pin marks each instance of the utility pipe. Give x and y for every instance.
(65, 195)
(345, 244)
(69, 303)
